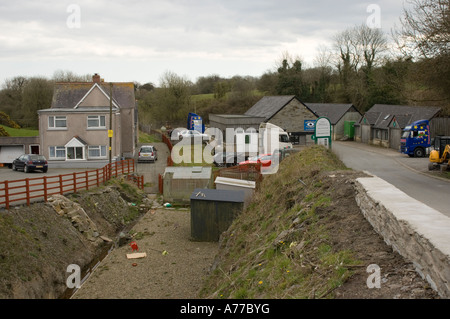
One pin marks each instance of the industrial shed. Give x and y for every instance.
(213, 211)
(179, 182)
(342, 118)
(382, 125)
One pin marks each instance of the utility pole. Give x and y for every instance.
(110, 132)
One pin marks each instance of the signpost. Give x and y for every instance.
(322, 132)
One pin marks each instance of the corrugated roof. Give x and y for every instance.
(217, 195)
(333, 111)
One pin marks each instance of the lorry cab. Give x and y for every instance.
(416, 139)
(273, 137)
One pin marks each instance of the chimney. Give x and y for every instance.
(96, 78)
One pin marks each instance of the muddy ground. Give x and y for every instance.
(178, 273)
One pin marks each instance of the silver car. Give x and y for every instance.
(147, 153)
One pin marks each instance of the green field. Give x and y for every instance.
(20, 132)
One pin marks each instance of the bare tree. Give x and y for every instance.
(69, 76)
(345, 43)
(424, 36)
(425, 29)
(360, 46)
(358, 51)
(372, 43)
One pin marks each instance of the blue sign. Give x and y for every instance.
(309, 125)
(195, 122)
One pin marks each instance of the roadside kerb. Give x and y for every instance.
(416, 231)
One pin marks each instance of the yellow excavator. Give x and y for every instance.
(440, 156)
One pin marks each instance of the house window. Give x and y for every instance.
(57, 122)
(96, 121)
(57, 152)
(97, 151)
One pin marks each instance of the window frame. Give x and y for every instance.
(100, 148)
(97, 118)
(52, 122)
(55, 152)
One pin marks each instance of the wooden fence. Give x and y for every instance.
(41, 188)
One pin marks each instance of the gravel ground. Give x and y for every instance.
(177, 274)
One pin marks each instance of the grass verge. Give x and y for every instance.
(281, 246)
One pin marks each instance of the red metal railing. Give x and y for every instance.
(41, 188)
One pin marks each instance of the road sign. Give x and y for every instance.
(322, 132)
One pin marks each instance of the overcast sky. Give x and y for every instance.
(137, 40)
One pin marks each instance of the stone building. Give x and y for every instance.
(289, 113)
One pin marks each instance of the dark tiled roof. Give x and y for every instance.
(68, 94)
(371, 117)
(268, 106)
(381, 115)
(403, 120)
(334, 112)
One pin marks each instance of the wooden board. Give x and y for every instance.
(136, 255)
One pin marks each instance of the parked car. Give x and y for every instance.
(264, 159)
(30, 162)
(222, 159)
(147, 153)
(196, 136)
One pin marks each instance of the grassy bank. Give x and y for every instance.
(282, 246)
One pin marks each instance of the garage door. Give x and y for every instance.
(9, 152)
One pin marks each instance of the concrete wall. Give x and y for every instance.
(416, 231)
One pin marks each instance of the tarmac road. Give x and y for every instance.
(407, 174)
(151, 170)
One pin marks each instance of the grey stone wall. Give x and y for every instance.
(416, 231)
